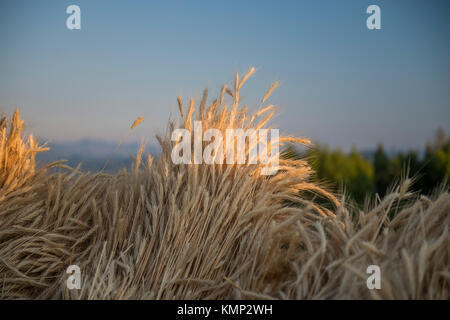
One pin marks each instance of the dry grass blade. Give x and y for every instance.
(269, 92)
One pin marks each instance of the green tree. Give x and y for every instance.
(383, 176)
(351, 171)
(360, 177)
(436, 167)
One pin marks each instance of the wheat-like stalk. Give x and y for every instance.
(134, 125)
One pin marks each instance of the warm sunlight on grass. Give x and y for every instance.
(222, 231)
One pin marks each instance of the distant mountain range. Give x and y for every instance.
(93, 154)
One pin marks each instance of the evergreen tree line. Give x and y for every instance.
(361, 175)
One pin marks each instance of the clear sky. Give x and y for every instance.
(341, 83)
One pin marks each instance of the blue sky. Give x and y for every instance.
(341, 83)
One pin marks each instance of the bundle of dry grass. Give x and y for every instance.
(166, 231)
(17, 157)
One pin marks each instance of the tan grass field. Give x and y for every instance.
(166, 231)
